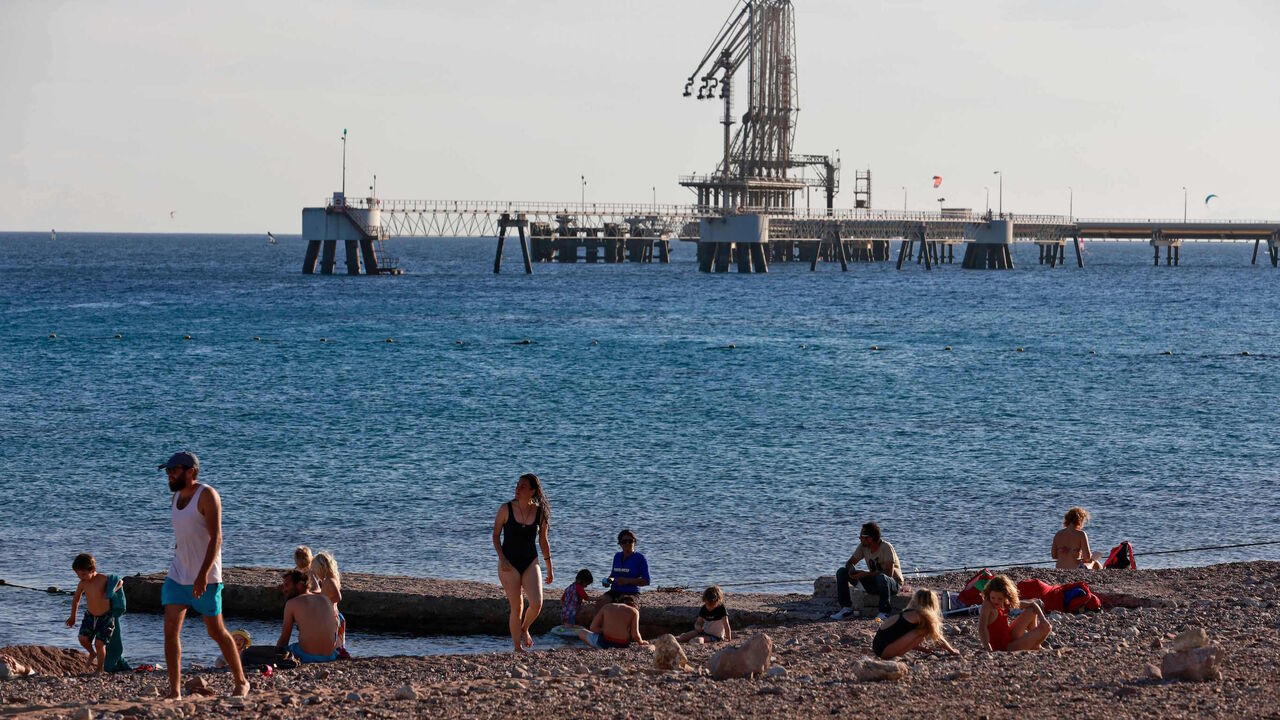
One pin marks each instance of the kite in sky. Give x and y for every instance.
(937, 181)
(171, 214)
(1208, 198)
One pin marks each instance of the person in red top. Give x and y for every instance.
(996, 633)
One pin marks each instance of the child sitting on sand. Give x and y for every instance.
(99, 624)
(302, 563)
(995, 632)
(615, 626)
(712, 623)
(242, 639)
(904, 632)
(1071, 544)
(573, 597)
(324, 569)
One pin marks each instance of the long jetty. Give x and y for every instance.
(750, 238)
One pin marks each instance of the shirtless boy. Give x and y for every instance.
(1071, 544)
(617, 625)
(99, 624)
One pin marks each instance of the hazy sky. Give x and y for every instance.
(229, 113)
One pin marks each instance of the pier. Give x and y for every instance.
(744, 213)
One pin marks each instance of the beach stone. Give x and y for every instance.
(777, 671)
(668, 655)
(747, 660)
(614, 671)
(872, 670)
(354, 697)
(196, 686)
(1190, 639)
(406, 692)
(83, 713)
(520, 672)
(1153, 672)
(1197, 664)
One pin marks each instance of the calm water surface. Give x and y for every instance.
(752, 464)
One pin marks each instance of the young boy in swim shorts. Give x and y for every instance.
(99, 624)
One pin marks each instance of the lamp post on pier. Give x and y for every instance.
(940, 201)
(655, 199)
(583, 178)
(997, 172)
(988, 201)
(1184, 204)
(344, 166)
(1071, 204)
(904, 199)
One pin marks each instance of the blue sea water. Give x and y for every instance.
(742, 465)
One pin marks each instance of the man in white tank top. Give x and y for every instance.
(195, 576)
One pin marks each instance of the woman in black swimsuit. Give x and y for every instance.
(518, 524)
(904, 632)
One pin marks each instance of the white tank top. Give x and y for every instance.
(191, 542)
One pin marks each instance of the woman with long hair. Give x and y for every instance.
(519, 523)
(904, 632)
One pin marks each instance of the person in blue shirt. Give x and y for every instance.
(630, 571)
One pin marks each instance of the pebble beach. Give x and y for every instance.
(1101, 665)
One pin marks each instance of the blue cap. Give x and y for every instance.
(184, 458)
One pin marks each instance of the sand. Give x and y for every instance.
(1095, 667)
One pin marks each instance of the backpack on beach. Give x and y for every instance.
(1121, 558)
(972, 593)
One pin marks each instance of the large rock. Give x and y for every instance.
(668, 655)
(747, 660)
(871, 670)
(1190, 639)
(1198, 664)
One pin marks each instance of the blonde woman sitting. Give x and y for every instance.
(904, 632)
(1071, 543)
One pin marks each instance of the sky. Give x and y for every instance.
(229, 114)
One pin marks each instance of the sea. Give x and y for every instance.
(743, 426)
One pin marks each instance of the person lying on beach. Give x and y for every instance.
(99, 624)
(909, 629)
(243, 640)
(996, 633)
(882, 578)
(1071, 544)
(617, 625)
(573, 597)
(712, 623)
(314, 616)
(324, 572)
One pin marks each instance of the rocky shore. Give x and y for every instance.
(1098, 665)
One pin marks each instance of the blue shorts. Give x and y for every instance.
(307, 657)
(98, 627)
(600, 642)
(209, 604)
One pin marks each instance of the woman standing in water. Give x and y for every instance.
(518, 524)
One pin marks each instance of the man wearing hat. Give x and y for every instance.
(194, 581)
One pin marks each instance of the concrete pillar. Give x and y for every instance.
(328, 260)
(313, 253)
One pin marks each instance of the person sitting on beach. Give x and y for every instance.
(630, 572)
(325, 575)
(518, 524)
(302, 559)
(617, 625)
(712, 623)
(883, 576)
(99, 624)
(242, 640)
(1071, 544)
(907, 630)
(314, 616)
(996, 633)
(573, 597)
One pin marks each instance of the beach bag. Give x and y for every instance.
(972, 593)
(1078, 596)
(1121, 558)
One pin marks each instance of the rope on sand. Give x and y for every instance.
(938, 571)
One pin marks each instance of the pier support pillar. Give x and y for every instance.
(724, 256)
(1079, 245)
(329, 258)
(313, 254)
(989, 246)
(370, 255)
(706, 255)
(504, 222)
(353, 256)
(759, 257)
